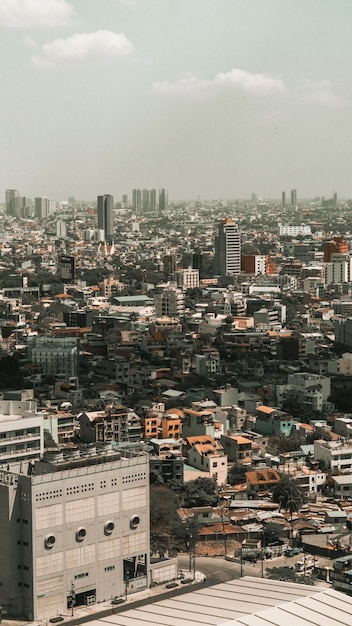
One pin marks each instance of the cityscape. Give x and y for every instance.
(171, 371)
(175, 313)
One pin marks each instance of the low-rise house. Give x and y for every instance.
(166, 459)
(342, 486)
(261, 482)
(206, 454)
(238, 448)
(271, 421)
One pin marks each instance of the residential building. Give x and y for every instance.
(163, 200)
(261, 482)
(207, 455)
(271, 421)
(73, 530)
(239, 449)
(55, 355)
(334, 455)
(43, 207)
(21, 431)
(169, 302)
(187, 278)
(254, 264)
(166, 459)
(335, 246)
(227, 260)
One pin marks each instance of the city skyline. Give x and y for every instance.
(210, 99)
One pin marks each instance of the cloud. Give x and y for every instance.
(255, 84)
(35, 13)
(251, 83)
(320, 93)
(81, 46)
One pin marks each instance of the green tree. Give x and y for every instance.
(199, 492)
(288, 494)
(236, 474)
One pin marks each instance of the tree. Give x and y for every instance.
(199, 492)
(236, 474)
(288, 494)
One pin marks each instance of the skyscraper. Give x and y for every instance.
(44, 207)
(14, 202)
(105, 205)
(293, 197)
(283, 199)
(163, 200)
(227, 261)
(137, 200)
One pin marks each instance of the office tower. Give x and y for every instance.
(145, 200)
(14, 202)
(227, 261)
(283, 199)
(152, 200)
(293, 197)
(105, 206)
(43, 207)
(74, 526)
(137, 200)
(163, 200)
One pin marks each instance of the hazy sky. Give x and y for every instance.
(209, 98)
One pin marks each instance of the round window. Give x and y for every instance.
(135, 519)
(109, 527)
(49, 541)
(81, 534)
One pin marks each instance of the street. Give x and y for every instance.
(217, 570)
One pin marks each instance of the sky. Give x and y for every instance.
(211, 99)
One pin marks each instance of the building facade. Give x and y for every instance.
(76, 528)
(105, 209)
(227, 261)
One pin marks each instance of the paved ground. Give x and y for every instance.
(215, 570)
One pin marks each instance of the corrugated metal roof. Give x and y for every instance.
(246, 601)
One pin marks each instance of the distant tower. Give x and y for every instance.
(43, 207)
(125, 200)
(293, 197)
(335, 200)
(283, 199)
(14, 202)
(61, 229)
(152, 201)
(146, 200)
(227, 261)
(163, 200)
(137, 200)
(105, 205)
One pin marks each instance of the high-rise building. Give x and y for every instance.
(152, 201)
(283, 199)
(145, 200)
(43, 207)
(227, 261)
(105, 207)
(137, 200)
(293, 197)
(125, 200)
(163, 200)
(61, 229)
(14, 202)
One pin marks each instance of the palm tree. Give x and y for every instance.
(289, 495)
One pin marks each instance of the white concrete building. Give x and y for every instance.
(21, 431)
(335, 455)
(78, 525)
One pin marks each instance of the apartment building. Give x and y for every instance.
(21, 431)
(206, 454)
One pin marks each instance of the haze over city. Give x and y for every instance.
(211, 99)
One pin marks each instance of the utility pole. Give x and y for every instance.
(73, 598)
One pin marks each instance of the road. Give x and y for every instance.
(217, 570)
